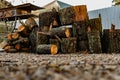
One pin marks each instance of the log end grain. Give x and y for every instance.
(54, 49)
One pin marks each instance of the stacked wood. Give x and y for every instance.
(111, 41)
(24, 39)
(46, 18)
(94, 42)
(56, 42)
(80, 32)
(72, 14)
(68, 45)
(47, 49)
(95, 24)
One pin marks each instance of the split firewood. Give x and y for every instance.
(47, 49)
(18, 47)
(12, 36)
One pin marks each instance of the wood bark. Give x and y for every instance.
(111, 41)
(82, 45)
(72, 14)
(47, 49)
(46, 18)
(68, 45)
(57, 43)
(62, 32)
(80, 30)
(23, 31)
(94, 42)
(33, 39)
(31, 23)
(95, 24)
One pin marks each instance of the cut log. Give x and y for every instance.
(42, 39)
(17, 47)
(82, 45)
(23, 31)
(57, 43)
(33, 39)
(12, 51)
(94, 42)
(62, 32)
(21, 40)
(111, 41)
(80, 30)
(46, 18)
(95, 24)
(25, 49)
(68, 45)
(31, 23)
(47, 49)
(12, 36)
(72, 14)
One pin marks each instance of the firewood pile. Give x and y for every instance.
(68, 40)
(21, 39)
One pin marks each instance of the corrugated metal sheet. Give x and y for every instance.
(109, 16)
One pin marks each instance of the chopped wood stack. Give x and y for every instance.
(111, 41)
(72, 14)
(24, 39)
(94, 42)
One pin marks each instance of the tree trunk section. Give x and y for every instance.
(46, 18)
(68, 45)
(33, 39)
(62, 32)
(94, 42)
(57, 43)
(72, 14)
(96, 24)
(47, 49)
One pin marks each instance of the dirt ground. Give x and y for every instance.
(75, 66)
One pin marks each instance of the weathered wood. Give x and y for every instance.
(94, 42)
(33, 39)
(73, 14)
(46, 18)
(57, 43)
(31, 23)
(68, 45)
(111, 41)
(47, 49)
(62, 32)
(80, 30)
(82, 45)
(20, 40)
(23, 31)
(95, 24)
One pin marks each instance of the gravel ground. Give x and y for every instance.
(24, 66)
